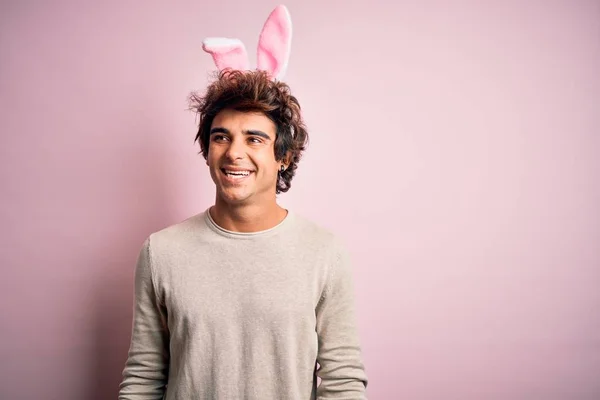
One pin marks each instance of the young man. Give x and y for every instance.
(243, 300)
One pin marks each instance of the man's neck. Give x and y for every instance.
(247, 218)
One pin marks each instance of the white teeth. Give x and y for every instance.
(237, 173)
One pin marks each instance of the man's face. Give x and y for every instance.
(241, 157)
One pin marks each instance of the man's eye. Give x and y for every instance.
(255, 140)
(219, 137)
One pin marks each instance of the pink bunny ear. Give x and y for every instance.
(274, 43)
(227, 53)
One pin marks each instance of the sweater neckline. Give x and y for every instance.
(247, 235)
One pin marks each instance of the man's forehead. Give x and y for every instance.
(242, 121)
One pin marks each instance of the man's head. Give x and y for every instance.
(250, 127)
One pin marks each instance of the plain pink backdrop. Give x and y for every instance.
(454, 146)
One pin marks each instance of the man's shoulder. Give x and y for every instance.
(178, 233)
(309, 229)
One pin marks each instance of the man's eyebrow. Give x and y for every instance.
(249, 132)
(254, 132)
(218, 129)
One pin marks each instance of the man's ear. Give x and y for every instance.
(287, 159)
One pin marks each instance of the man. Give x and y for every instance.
(246, 300)
(243, 300)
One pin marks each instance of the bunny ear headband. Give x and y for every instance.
(273, 47)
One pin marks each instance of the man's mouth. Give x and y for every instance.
(235, 174)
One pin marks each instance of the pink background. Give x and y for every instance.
(454, 147)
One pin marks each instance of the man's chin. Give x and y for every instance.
(234, 197)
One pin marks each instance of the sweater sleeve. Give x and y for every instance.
(341, 369)
(146, 369)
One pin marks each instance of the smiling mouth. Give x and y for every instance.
(235, 175)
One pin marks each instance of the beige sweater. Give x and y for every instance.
(226, 315)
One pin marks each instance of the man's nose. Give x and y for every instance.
(236, 149)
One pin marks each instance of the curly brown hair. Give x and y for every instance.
(255, 91)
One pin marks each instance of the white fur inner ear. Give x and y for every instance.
(227, 53)
(210, 43)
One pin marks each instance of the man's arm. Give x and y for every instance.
(146, 370)
(341, 368)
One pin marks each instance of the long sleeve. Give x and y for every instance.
(146, 370)
(339, 356)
